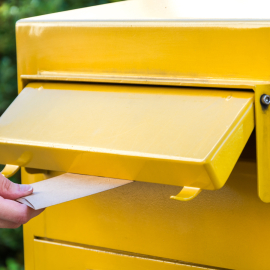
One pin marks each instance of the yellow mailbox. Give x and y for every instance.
(172, 94)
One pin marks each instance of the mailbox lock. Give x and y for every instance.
(265, 99)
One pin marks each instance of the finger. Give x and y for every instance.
(12, 191)
(8, 225)
(15, 212)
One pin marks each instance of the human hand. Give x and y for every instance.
(13, 214)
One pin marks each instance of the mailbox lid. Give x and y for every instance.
(169, 135)
(165, 42)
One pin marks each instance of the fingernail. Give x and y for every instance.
(25, 188)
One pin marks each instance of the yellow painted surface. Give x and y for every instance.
(51, 255)
(263, 143)
(10, 170)
(187, 194)
(170, 44)
(152, 134)
(174, 43)
(217, 228)
(205, 50)
(167, 39)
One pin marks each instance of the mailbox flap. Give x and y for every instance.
(167, 135)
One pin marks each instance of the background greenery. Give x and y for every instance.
(11, 242)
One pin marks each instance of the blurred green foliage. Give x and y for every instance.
(11, 242)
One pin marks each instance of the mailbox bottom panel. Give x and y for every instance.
(58, 256)
(227, 228)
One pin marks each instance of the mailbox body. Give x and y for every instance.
(147, 44)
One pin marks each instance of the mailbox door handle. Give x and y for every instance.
(187, 194)
(10, 170)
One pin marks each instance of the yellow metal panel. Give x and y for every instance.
(222, 228)
(219, 229)
(36, 226)
(169, 42)
(152, 134)
(195, 50)
(54, 256)
(263, 143)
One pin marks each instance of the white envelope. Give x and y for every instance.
(67, 187)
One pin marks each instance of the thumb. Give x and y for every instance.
(12, 191)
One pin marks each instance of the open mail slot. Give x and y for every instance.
(168, 135)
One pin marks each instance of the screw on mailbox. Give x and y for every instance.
(265, 99)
